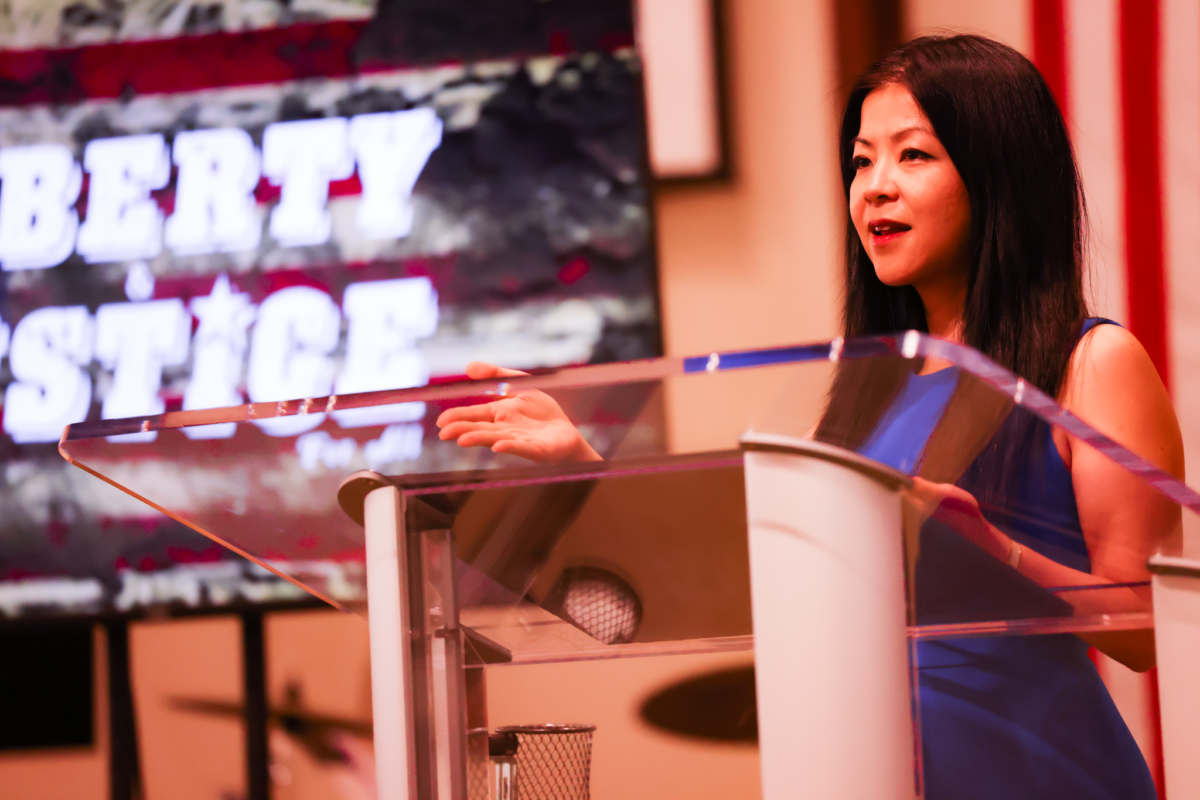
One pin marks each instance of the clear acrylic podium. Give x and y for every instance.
(737, 511)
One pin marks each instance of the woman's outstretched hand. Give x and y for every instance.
(528, 424)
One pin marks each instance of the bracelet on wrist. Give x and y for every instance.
(1014, 554)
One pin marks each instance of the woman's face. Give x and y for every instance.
(907, 201)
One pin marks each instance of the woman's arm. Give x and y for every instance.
(1112, 385)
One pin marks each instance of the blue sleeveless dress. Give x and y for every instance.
(1012, 717)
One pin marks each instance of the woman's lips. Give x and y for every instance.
(884, 231)
(888, 236)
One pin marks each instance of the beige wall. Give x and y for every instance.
(1006, 20)
(749, 264)
(753, 263)
(186, 755)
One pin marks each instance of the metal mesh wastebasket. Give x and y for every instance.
(554, 762)
(477, 764)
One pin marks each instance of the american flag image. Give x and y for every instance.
(1127, 76)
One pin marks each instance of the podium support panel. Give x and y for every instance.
(391, 667)
(1176, 587)
(835, 713)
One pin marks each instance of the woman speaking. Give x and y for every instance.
(966, 219)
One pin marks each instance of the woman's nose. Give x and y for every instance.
(881, 184)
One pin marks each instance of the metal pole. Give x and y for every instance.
(124, 774)
(254, 679)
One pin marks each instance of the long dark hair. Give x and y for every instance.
(993, 112)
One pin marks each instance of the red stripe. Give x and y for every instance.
(1145, 269)
(183, 64)
(1050, 47)
(1143, 204)
(1143, 192)
(1156, 717)
(191, 63)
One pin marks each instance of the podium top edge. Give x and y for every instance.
(1161, 564)
(782, 443)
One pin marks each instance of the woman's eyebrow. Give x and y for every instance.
(900, 134)
(895, 135)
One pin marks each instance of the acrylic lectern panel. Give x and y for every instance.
(664, 511)
(264, 481)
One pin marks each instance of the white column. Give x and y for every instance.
(830, 643)
(387, 598)
(1179, 171)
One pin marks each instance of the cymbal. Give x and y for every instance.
(716, 705)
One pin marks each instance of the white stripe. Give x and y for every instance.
(1179, 76)
(1094, 117)
(1094, 92)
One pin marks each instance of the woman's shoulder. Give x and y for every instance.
(1113, 385)
(1107, 357)
(1106, 346)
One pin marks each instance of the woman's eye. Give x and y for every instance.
(913, 155)
(861, 162)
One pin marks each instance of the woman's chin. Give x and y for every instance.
(894, 276)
